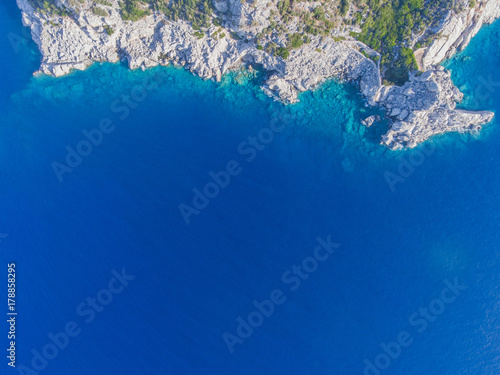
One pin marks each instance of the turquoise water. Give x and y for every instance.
(323, 174)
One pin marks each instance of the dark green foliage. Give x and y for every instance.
(284, 7)
(271, 47)
(102, 2)
(131, 10)
(319, 13)
(296, 40)
(198, 12)
(49, 8)
(109, 30)
(389, 27)
(283, 52)
(404, 63)
(344, 7)
(100, 12)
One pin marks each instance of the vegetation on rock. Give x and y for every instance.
(133, 10)
(198, 12)
(49, 8)
(394, 28)
(391, 25)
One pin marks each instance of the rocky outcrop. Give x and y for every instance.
(317, 61)
(68, 43)
(369, 121)
(457, 29)
(423, 107)
(245, 18)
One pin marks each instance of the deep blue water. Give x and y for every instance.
(322, 175)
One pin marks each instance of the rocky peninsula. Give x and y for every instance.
(73, 34)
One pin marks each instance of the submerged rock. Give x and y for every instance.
(369, 121)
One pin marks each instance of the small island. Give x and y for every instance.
(391, 49)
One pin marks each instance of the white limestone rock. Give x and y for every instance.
(369, 121)
(425, 124)
(306, 68)
(422, 107)
(456, 30)
(430, 99)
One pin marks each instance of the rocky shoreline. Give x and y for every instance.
(423, 107)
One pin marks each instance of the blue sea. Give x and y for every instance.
(163, 224)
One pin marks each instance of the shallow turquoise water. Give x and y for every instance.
(322, 175)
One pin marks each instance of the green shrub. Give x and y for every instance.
(132, 11)
(344, 7)
(283, 52)
(102, 2)
(389, 27)
(109, 30)
(49, 8)
(199, 12)
(296, 40)
(319, 13)
(100, 12)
